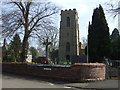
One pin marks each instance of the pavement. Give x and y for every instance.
(97, 85)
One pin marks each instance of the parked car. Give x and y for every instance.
(42, 60)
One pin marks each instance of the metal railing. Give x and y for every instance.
(114, 63)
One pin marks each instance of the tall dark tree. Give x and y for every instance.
(115, 34)
(4, 51)
(115, 45)
(15, 48)
(10, 54)
(16, 45)
(98, 37)
(115, 49)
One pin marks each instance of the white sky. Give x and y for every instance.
(85, 10)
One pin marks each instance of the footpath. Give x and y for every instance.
(110, 84)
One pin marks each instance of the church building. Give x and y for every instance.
(69, 45)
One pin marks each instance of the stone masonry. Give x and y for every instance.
(69, 35)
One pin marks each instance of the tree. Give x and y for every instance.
(48, 39)
(54, 56)
(115, 51)
(34, 53)
(84, 41)
(4, 51)
(27, 18)
(98, 37)
(51, 33)
(16, 46)
(10, 54)
(115, 34)
(117, 9)
(114, 9)
(14, 49)
(115, 43)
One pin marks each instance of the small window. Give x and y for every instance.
(68, 21)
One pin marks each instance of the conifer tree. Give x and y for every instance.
(115, 34)
(115, 45)
(4, 51)
(15, 48)
(98, 37)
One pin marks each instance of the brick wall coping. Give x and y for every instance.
(76, 64)
(50, 65)
(89, 64)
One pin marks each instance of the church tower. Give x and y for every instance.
(69, 35)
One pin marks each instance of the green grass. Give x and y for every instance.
(66, 63)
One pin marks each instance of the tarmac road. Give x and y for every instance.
(17, 81)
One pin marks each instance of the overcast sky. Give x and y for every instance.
(85, 10)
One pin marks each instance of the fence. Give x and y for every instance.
(114, 63)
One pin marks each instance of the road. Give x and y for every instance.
(17, 81)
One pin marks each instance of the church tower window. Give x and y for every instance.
(68, 21)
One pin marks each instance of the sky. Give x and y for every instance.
(119, 18)
(85, 10)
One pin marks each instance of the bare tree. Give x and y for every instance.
(50, 34)
(114, 8)
(27, 18)
(84, 41)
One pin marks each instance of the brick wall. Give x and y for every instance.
(74, 73)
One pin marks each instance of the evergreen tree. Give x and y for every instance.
(98, 37)
(4, 51)
(115, 49)
(115, 45)
(14, 49)
(115, 34)
(10, 54)
(17, 46)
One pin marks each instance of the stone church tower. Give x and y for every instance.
(69, 35)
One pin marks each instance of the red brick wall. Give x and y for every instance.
(74, 73)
